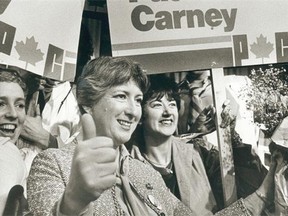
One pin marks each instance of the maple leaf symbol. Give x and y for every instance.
(262, 48)
(28, 51)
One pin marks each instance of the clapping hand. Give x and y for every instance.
(93, 169)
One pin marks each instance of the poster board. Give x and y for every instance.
(224, 112)
(180, 35)
(41, 36)
(168, 36)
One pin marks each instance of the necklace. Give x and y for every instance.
(163, 169)
(119, 211)
(156, 163)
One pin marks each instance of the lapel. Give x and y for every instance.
(182, 159)
(146, 182)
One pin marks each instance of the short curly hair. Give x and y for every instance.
(13, 76)
(102, 73)
(161, 85)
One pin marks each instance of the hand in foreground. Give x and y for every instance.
(267, 187)
(34, 132)
(93, 169)
(205, 122)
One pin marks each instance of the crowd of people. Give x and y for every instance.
(123, 157)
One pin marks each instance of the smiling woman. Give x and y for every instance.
(154, 143)
(121, 106)
(98, 176)
(179, 163)
(12, 110)
(12, 117)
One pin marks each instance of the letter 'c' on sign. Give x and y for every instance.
(135, 18)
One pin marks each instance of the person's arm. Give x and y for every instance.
(93, 169)
(254, 204)
(205, 122)
(45, 184)
(54, 188)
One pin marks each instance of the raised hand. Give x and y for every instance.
(205, 122)
(268, 185)
(93, 169)
(34, 132)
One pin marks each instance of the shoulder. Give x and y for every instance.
(64, 151)
(10, 152)
(136, 153)
(12, 167)
(51, 164)
(62, 156)
(4, 140)
(186, 150)
(183, 146)
(6, 144)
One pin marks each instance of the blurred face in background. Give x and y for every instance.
(12, 110)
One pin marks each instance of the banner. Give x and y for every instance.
(41, 36)
(179, 35)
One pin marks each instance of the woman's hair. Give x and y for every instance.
(105, 72)
(10, 75)
(161, 85)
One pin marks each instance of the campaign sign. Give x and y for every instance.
(41, 36)
(179, 35)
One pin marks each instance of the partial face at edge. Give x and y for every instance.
(12, 110)
(118, 112)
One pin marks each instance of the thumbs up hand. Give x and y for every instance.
(93, 169)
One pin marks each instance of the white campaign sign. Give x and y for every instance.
(41, 36)
(193, 34)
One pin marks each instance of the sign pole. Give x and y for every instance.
(224, 136)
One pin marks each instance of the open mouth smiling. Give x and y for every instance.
(8, 129)
(125, 124)
(166, 121)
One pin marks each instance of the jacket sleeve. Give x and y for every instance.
(45, 185)
(237, 208)
(182, 210)
(252, 205)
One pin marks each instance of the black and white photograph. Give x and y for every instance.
(143, 108)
